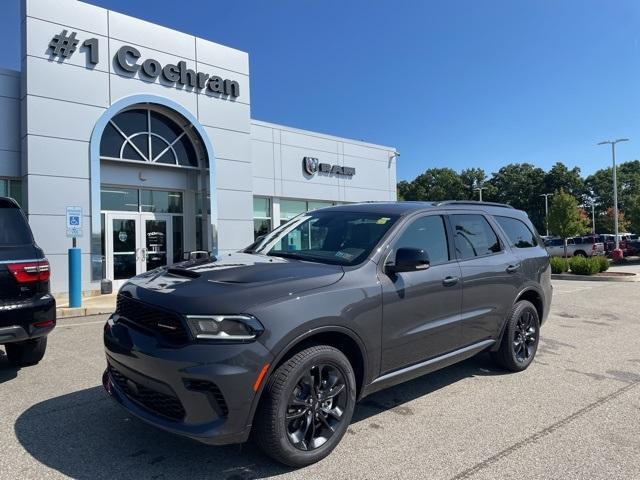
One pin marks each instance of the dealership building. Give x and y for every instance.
(145, 135)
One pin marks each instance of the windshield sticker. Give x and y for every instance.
(382, 220)
(345, 255)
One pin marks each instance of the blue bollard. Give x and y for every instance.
(75, 278)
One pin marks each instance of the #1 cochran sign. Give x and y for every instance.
(64, 44)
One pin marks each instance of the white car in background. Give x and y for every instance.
(587, 246)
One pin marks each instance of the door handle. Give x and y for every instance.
(513, 268)
(450, 281)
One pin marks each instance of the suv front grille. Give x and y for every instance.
(166, 405)
(163, 323)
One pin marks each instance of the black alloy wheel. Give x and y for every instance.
(306, 406)
(316, 407)
(525, 337)
(520, 339)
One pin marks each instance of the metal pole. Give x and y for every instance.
(480, 190)
(593, 218)
(546, 212)
(546, 209)
(617, 253)
(615, 196)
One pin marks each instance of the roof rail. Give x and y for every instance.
(472, 202)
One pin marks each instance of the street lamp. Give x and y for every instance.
(617, 253)
(546, 209)
(479, 190)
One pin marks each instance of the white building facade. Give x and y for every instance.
(149, 132)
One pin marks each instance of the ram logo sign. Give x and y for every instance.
(312, 165)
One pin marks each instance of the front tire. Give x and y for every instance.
(306, 406)
(29, 352)
(520, 339)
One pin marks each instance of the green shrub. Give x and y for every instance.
(584, 266)
(559, 265)
(603, 263)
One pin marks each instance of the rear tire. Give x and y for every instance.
(520, 339)
(301, 418)
(29, 352)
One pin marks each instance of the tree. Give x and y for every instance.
(473, 178)
(600, 186)
(403, 189)
(565, 219)
(520, 185)
(607, 221)
(435, 184)
(559, 177)
(634, 215)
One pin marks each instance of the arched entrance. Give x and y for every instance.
(152, 188)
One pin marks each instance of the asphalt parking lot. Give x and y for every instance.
(575, 413)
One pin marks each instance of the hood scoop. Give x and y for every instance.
(181, 272)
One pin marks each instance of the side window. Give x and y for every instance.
(473, 236)
(429, 234)
(519, 235)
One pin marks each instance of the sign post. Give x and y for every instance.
(74, 230)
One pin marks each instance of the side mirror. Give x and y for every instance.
(409, 260)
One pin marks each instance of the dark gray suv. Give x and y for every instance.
(282, 339)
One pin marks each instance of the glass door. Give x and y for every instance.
(157, 245)
(137, 243)
(123, 247)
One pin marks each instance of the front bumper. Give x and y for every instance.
(200, 390)
(26, 319)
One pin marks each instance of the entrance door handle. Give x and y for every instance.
(450, 281)
(513, 268)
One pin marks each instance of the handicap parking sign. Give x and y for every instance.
(74, 221)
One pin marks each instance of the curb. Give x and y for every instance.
(81, 312)
(593, 278)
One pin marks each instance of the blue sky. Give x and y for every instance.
(449, 83)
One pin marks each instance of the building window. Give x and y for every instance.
(146, 135)
(291, 208)
(12, 188)
(261, 216)
(158, 201)
(119, 199)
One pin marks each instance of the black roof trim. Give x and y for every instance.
(472, 202)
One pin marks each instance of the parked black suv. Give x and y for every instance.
(283, 338)
(27, 309)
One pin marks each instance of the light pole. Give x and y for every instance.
(617, 253)
(546, 209)
(479, 190)
(593, 217)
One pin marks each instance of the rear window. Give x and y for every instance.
(473, 236)
(13, 228)
(519, 235)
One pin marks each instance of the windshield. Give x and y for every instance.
(335, 237)
(13, 228)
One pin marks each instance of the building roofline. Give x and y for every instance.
(311, 133)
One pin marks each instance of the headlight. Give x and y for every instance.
(225, 327)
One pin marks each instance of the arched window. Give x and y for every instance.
(149, 135)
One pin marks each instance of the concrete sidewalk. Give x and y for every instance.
(97, 305)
